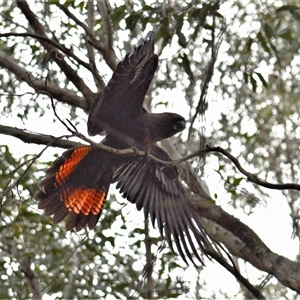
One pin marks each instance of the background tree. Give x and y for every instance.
(234, 69)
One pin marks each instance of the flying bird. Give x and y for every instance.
(77, 184)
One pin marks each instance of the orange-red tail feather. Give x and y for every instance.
(76, 187)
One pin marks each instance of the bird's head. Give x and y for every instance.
(165, 125)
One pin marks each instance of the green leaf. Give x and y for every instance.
(237, 181)
(286, 34)
(246, 76)
(181, 37)
(247, 47)
(253, 83)
(261, 78)
(118, 14)
(262, 41)
(295, 14)
(268, 31)
(286, 8)
(131, 21)
(186, 65)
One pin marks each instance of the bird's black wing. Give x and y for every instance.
(157, 189)
(122, 98)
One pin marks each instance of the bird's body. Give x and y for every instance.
(77, 184)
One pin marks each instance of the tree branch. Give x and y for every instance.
(70, 73)
(45, 139)
(108, 33)
(90, 49)
(11, 248)
(45, 39)
(40, 139)
(32, 279)
(108, 56)
(243, 242)
(245, 282)
(42, 86)
(107, 29)
(250, 176)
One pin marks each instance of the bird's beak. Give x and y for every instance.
(179, 125)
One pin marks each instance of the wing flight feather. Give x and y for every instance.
(157, 189)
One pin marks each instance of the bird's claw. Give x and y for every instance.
(136, 151)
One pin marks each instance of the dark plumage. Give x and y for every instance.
(77, 184)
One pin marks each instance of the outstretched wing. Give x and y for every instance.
(156, 188)
(122, 99)
(76, 188)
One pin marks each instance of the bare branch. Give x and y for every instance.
(40, 139)
(250, 176)
(245, 282)
(239, 239)
(90, 49)
(107, 29)
(70, 73)
(109, 53)
(108, 56)
(32, 279)
(75, 265)
(60, 120)
(42, 86)
(91, 18)
(63, 49)
(243, 242)
(44, 139)
(10, 247)
(87, 30)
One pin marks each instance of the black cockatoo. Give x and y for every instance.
(77, 183)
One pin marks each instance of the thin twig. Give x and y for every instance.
(200, 109)
(109, 59)
(55, 55)
(8, 187)
(58, 117)
(62, 94)
(252, 177)
(59, 46)
(231, 269)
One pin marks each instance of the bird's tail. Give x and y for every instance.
(76, 186)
